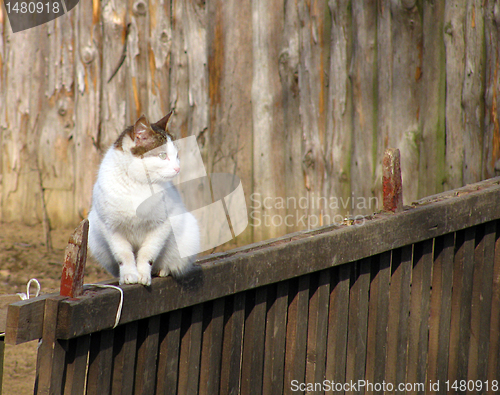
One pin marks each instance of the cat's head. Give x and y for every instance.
(151, 149)
(143, 136)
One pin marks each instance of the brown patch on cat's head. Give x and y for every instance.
(145, 136)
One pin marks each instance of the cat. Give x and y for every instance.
(136, 172)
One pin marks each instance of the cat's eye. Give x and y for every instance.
(162, 155)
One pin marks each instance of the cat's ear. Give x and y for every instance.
(142, 129)
(163, 123)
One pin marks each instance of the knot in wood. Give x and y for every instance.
(62, 107)
(448, 28)
(140, 7)
(87, 54)
(496, 14)
(309, 159)
(164, 37)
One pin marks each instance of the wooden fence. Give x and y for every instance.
(404, 298)
(294, 96)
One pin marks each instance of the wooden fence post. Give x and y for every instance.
(74, 262)
(51, 351)
(392, 183)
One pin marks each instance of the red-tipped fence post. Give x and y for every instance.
(74, 262)
(392, 183)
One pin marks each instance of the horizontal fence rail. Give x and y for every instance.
(409, 299)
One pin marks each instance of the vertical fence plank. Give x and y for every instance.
(230, 60)
(440, 310)
(337, 325)
(196, 42)
(50, 358)
(296, 332)
(418, 331)
(318, 327)
(486, 251)
(454, 31)
(364, 76)
(212, 350)
(288, 69)
(268, 132)
(461, 305)
(124, 358)
(406, 58)
(494, 350)
(478, 285)
(89, 69)
(100, 363)
(339, 118)
(76, 360)
(113, 114)
(491, 145)
(384, 90)
(137, 59)
(399, 308)
(233, 346)
(473, 90)
(274, 357)
(358, 322)
(376, 345)
(179, 74)
(189, 360)
(312, 72)
(254, 344)
(147, 352)
(168, 361)
(160, 42)
(432, 101)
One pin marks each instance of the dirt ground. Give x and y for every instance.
(23, 256)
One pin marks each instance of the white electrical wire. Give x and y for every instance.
(120, 305)
(25, 296)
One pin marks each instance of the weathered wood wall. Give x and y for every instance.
(299, 98)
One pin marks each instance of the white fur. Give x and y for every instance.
(124, 242)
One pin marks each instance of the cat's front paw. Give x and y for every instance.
(128, 274)
(129, 278)
(144, 277)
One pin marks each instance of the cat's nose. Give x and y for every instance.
(177, 169)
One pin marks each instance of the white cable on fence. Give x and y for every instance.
(120, 305)
(25, 296)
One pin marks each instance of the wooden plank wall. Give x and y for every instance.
(422, 313)
(299, 98)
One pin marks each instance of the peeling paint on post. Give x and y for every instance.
(75, 257)
(392, 184)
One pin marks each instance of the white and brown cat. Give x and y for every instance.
(139, 165)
